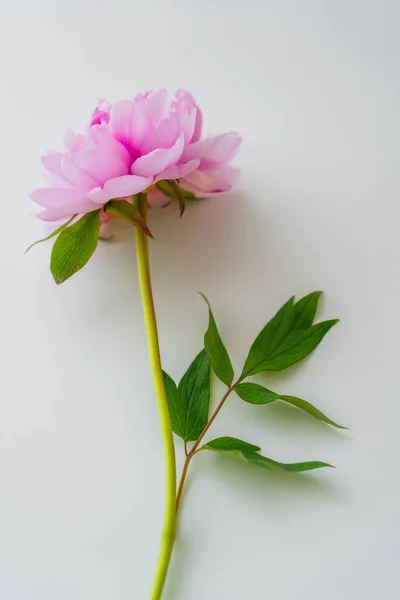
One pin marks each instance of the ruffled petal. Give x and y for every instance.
(164, 135)
(222, 180)
(177, 171)
(184, 100)
(53, 172)
(214, 150)
(101, 138)
(158, 160)
(73, 141)
(66, 210)
(51, 197)
(101, 165)
(119, 187)
(76, 175)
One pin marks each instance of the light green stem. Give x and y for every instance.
(168, 534)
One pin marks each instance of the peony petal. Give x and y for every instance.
(184, 100)
(213, 150)
(101, 138)
(65, 211)
(120, 119)
(177, 171)
(157, 106)
(119, 187)
(208, 182)
(164, 135)
(101, 165)
(51, 197)
(158, 160)
(53, 172)
(101, 113)
(72, 141)
(76, 175)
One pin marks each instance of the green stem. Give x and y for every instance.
(168, 534)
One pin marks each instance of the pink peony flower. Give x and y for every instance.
(130, 146)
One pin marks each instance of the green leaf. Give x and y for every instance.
(189, 403)
(305, 309)
(287, 338)
(176, 409)
(128, 212)
(74, 246)
(257, 394)
(53, 234)
(220, 361)
(249, 453)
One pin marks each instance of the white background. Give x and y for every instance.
(313, 87)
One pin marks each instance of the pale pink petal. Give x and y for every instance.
(164, 135)
(72, 141)
(177, 171)
(213, 150)
(187, 119)
(77, 176)
(101, 138)
(53, 172)
(119, 187)
(216, 182)
(51, 197)
(101, 165)
(120, 119)
(184, 100)
(101, 113)
(158, 160)
(157, 106)
(66, 210)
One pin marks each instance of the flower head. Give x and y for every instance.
(128, 148)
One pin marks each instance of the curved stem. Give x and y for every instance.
(168, 534)
(195, 446)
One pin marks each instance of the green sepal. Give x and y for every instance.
(127, 211)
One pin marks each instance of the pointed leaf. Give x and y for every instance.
(128, 212)
(249, 453)
(257, 394)
(74, 246)
(287, 338)
(296, 346)
(177, 410)
(189, 408)
(220, 361)
(305, 309)
(275, 331)
(53, 234)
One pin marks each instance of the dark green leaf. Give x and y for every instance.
(189, 403)
(74, 246)
(257, 394)
(249, 453)
(53, 234)
(128, 212)
(287, 338)
(305, 309)
(176, 408)
(296, 346)
(220, 361)
(269, 338)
